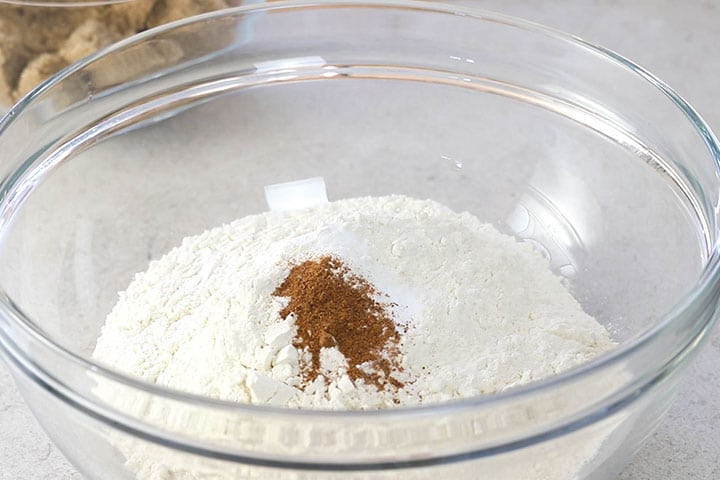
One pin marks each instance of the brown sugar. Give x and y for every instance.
(37, 41)
(335, 308)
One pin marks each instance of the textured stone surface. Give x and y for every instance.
(675, 40)
(25, 451)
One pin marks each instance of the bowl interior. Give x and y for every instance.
(598, 197)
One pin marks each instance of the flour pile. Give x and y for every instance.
(483, 312)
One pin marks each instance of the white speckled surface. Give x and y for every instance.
(678, 41)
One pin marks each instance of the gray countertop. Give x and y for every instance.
(678, 41)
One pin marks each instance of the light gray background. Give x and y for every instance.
(676, 40)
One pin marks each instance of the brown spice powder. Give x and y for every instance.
(335, 308)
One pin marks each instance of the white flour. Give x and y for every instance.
(485, 312)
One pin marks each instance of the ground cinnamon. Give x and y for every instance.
(335, 308)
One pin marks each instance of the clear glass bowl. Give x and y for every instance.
(561, 143)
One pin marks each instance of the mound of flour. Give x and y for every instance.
(484, 311)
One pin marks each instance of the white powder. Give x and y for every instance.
(485, 312)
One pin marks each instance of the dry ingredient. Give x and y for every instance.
(332, 307)
(38, 41)
(226, 313)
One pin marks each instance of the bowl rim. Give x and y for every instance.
(709, 276)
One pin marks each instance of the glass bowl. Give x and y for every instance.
(561, 143)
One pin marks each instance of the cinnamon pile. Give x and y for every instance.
(335, 308)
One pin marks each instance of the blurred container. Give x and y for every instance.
(39, 38)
